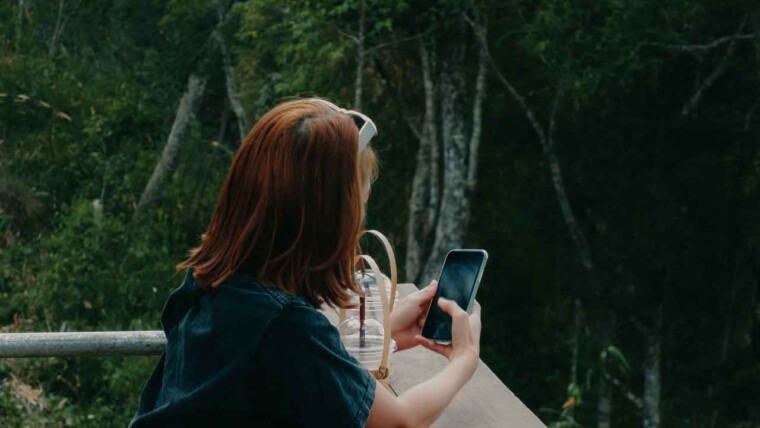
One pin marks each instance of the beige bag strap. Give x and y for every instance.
(391, 262)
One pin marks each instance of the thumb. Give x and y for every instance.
(425, 294)
(449, 306)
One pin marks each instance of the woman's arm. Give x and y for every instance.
(423, 404)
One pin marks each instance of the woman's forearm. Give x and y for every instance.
(425, 402)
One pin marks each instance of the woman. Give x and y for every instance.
(246, 343)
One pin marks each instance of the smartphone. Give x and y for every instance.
(459, 281)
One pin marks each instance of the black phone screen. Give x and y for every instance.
(457, 282)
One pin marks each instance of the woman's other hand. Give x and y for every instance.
(465, 333)
(408, 316)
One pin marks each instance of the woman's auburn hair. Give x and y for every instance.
(291, 208)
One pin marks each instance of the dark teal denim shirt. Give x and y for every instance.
(251, 355)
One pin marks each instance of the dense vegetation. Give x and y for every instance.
(617, 186)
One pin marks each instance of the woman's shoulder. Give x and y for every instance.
(243, 296)
(247, 287)
(241, 302)
(289, 314)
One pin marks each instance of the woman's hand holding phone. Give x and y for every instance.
(408, 316)
(422, 404)
(465, 333)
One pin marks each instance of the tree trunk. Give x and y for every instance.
(447, 218)
(652, 373)
(547, 142)
(576, 345)
(423, 203)
(20, 17)
(232, 93)
(361, 58)
(60, 24)
(455, 204)
(604, 388)
(56, 30)
(168, 161)
(477, 120)
(576, 233)
(19, 30)
(693, 101)
(604, 405)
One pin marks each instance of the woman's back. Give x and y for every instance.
(245, 353)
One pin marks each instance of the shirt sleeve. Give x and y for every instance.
(308, 375)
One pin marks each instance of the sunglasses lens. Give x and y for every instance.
(358, 121)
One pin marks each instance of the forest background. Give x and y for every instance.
(605, 153)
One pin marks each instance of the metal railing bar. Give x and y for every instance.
(78, 344)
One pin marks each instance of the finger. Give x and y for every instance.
(476, 308)
(429, 291)
(435, 347)
(451, 307)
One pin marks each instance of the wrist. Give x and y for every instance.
(394, 325)
(467, 359)
(399, 341)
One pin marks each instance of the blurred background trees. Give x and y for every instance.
(605, 153)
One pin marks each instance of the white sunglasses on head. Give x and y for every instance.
(367, 128)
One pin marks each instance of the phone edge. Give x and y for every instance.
(475, 289)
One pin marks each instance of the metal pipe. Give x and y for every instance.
(78, 344)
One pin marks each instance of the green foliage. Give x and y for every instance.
(668, 204)
(611, 359)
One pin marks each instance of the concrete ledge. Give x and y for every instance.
(484, 402)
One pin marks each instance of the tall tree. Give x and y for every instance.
(440, 210)
(423, 202)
